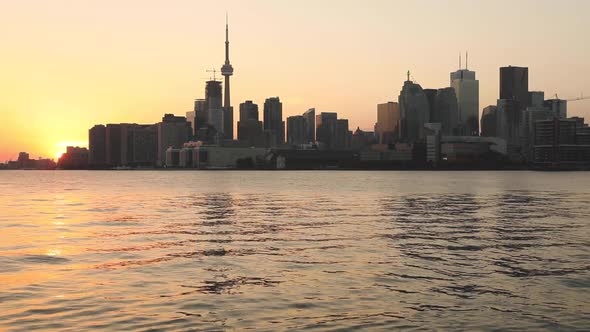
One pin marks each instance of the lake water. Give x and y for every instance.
(310, 250)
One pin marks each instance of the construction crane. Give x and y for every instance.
(214, 72)
(582, 97)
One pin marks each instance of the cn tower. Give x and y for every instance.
(227, 70)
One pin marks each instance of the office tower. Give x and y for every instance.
(173, 132)
(200, 110)
(191, 117)
(414, 112)
(508, 116)
(489, 121)
(431, 96)
(514, 85)
(97, 146)
(214, 109)
(467, 91)
(296, 134)
(249, 128)
(227, 70)
(274, 125)
(386, 128)
(446, 111)
(343, 136)
(113, 145)
(309, 117)
(536, 99)
(326, 123)
(558, 106)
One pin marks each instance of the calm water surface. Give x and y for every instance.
(149, 250)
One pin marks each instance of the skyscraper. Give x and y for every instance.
(467, 91)
(214, 108)
(273, 121)
(97, 146)
(446, 111)
(514, 85)
(249, 127)
(173, 131)
(489, 122)
(387, 124)
(296, 134)
(414, 111)
(227, 70)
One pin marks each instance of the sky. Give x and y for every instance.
(66, 65)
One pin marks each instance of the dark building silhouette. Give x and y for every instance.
(97, 146)
(274, 126)
(446, 111)
(514, 85)
(431, 97)
(489, 121)
(201, 119)
(250, 129)
(139, 145)
(173, 132)
(296, 130)
(214, 109)
(331, 132)
(561, 142)
(414, 112)
(113, 145)
(74, 158)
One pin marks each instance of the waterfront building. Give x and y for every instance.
(113, 144)
(386, 128)
(467, 91)
(173, 131)
(558, 142)
(274, 125)
(139, 145)
(414, 112)
(296, 130)
(74, 158)
(508, 116)
(97, 146)
(326, 129)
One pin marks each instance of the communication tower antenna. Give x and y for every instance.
(466, 60)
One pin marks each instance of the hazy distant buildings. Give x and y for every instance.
(97, 146)
(388, 117)
(414, 112)
(331, 132)
(173, 132)
(250, 130)
(467, 91)
(274, 126)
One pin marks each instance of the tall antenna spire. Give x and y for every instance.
(408, 75)
(460, 61)
(466, 60)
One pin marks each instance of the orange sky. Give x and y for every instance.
(67, 65)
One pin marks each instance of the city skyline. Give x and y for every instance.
(48, 77)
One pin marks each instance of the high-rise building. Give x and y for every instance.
(191, 117)
(173, 132)
(97, 146)
(467, 91)
(386, 128)
(509, 116)
(514, 85)
(139, 145)
(249, 128)
(446, 111)
(227, 71)
(558, 106)
(309, 117)
(200, 110)
(274, 125)
(489, 121)
(214, 110)
(343, 136)
(113, 145)
(296, 134)
(414, 112)
(326, 128)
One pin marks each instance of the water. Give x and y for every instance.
(334, 250)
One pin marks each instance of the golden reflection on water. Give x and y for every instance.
(292, 250)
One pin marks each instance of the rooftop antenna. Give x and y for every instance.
(408, 75)
(459, 60)
(466, 60)
(212, 71)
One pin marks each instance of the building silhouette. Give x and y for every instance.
(309, 118)
(173, 131)
(514, 85)
(274, 126)
(467, 91)
(296, 130)
(489, 121)
(446, 111)
(113, 145)
(331, 132)
(97, 146)
(414, 112)
(388, 117)
(250, 130)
